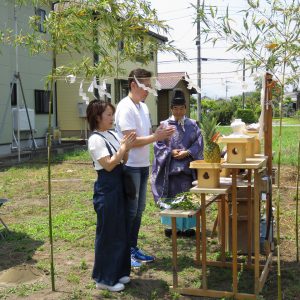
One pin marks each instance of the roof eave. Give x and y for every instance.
(162, 38)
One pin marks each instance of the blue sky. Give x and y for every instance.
(180, 15)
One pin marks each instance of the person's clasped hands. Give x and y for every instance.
(164, 132)
(180, 153)
(128, 140)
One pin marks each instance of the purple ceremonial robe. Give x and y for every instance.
(172, 176)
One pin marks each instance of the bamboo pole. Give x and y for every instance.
(53, 73)
(49, 180)
(297, 206)
(279, 290)
(270, 84)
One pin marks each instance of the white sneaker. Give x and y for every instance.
(124, 279)
(113, 288)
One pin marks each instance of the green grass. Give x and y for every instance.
(74, 224)
(290, 141)
(74, 228)
(77, 155)
(287, 121)
(22, 290)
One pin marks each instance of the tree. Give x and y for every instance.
(76, 26)
(268, 37)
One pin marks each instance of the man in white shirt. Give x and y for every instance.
(132, 115)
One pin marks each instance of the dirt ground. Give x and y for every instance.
(24, 260)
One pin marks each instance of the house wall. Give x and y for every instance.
(163, 110)
(33, 70)
(69, 122)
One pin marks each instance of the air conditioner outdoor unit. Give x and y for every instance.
(22, 116)
(82, 109)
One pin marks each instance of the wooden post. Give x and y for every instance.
(174, 249)
(234, 231)
(203, 240)
(268, 112)
(223, 228)
(256, 231)
(250, 219)
(198, 249)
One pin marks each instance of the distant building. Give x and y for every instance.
(68, 109)
(169, 81)
(33, 70)
(295, 97)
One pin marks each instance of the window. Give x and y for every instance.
(42, 102)
(13, 95)
(121, 89)
(41, 13)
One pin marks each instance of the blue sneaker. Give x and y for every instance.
(135, 263)
(139, 255)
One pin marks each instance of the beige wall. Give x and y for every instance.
(69, 122)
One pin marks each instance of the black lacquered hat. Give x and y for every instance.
(178, 98)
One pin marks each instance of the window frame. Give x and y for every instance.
(14, 94)
(41, 101)
(39, 12)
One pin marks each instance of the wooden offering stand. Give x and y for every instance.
(256, 140)
(254, 164)
(201, 213)
(236, 148)
(236, 160)
(254, 261)
(208, 174)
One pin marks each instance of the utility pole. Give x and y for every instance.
(226, 89)
(244, 66)
(17, 83)
(198, 44)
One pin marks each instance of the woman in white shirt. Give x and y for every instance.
(112, 251)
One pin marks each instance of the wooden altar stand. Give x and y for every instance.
(253, 165)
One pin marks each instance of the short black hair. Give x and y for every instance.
(140, 74)
(94, 109)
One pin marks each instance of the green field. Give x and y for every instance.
(289, 143)
(74, 224)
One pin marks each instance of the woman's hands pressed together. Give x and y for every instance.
(128, 140)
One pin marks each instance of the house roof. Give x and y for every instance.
(169, 80)
(158, 36)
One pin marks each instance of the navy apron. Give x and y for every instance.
(112, 250)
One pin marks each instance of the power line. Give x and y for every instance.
(182, 17)
(223, 9)
(208, 48)
(202, 58)
(189, 16)
(174, 10)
